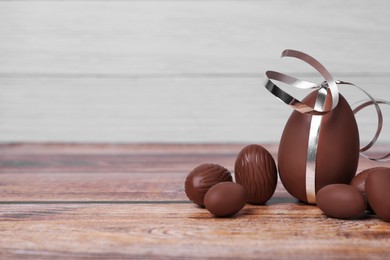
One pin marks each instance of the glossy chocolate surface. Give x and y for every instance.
(337, 152)
(378, 192)
(202, 178)
(359, 181)
(225, 199)
(341, 201)
(255, 169)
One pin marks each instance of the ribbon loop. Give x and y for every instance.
(320, 68)
(376, 103)
(295, 103)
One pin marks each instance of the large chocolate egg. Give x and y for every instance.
(337, 151)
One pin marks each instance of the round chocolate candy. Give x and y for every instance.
(255, 169)
(341, 201)
(359, 181)
(378, 192)
(225, 199)
(337, 152)
(202, 178)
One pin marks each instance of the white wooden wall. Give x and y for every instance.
(176, 71)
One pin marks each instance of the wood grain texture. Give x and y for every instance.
(104, 172)
(159, 231)
(174, 71)
(111, 201)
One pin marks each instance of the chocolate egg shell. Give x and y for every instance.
(225, 199)
(359, 181)
(341, 201)
(337, 150)
(255, 169)
(202, 178)
(378, 192)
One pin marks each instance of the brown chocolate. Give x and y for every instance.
(378, 192)
(225, 199)
(341, 201)
(202, 178)
(255, 169)
(359, 181)
(337, 151)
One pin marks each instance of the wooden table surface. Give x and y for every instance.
(128, 201)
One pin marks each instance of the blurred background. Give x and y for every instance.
(160, 71)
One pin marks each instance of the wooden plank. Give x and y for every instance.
(88, 173)
(99, 187)
(281, 229)
(141, 37)
(149, 110)
(93, 187)
(105, 172)
(119, 158)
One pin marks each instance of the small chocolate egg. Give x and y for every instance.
(341, 201)
(225, 199)
(359, 181)
(255, 169)
(378, 192)
(202, 178)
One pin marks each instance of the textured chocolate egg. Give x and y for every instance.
(202, 178)
(378, 192)
(225, 199)
(255, 169)
(341, 201)
(337, 150)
